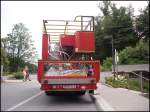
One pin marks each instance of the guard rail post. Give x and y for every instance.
(141, 82)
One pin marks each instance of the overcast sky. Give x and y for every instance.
(32, 13)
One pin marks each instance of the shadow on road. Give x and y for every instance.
(70, 99)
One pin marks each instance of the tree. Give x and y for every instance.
(4, 59)
(123, 30)
(142, 23)
(116, 23)
(19, 47)
(104, 7)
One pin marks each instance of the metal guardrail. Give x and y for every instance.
(141, 79)
(140, 75)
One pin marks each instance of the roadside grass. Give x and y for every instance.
(135, 85)
(15, 75)
(18, 75)
(123, 82)
(7, 74)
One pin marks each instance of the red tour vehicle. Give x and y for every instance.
(67, 63)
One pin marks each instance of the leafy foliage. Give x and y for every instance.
(115, 23)
(18, 75)
(32, 68)
(142, 24)
(4, 59)
(19, 47)
(107, 64)
(135, 55)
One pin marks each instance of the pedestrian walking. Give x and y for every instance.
(27, 74)
(24, 74)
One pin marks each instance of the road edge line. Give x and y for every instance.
(25, 101)
(103, 103)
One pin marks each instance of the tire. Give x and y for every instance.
(48, 93)
(82, 93)
(91, 91)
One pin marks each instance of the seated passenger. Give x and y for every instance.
(90, 70)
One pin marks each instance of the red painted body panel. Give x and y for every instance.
(67, 40)
(41, 77)
(45, 43)
(84, 42)
(40, 71)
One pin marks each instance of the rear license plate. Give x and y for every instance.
(69, 86)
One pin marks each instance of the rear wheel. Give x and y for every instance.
(91, 91)
(82, 92)
(48, 93)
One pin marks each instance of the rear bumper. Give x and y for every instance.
(62, 87)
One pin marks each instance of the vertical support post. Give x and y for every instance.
(141, 82)
(44, 29)
(93, 24)
(66, 28)
(90, 26)
(113, 57)
(45, 46)
(116, 61)
(81, 23)
(1, 72)
(128, 80)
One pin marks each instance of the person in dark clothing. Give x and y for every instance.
(90, 70)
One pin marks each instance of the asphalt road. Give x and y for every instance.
(24, 96)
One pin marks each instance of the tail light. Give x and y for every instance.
(83, 87)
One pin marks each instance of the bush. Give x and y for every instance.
(136, 55)
(18, 75)
(107, 64)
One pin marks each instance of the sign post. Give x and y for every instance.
(116, 60)
(1, 72)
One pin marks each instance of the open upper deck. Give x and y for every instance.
(55, 28)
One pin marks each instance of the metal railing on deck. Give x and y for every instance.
(57, 27)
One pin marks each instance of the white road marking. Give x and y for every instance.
(103, 104)
(25, 101)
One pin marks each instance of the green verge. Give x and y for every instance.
(15, 75)
(18, 75)
(122, 82)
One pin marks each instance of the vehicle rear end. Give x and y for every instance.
(67, 64)
(73, 77)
